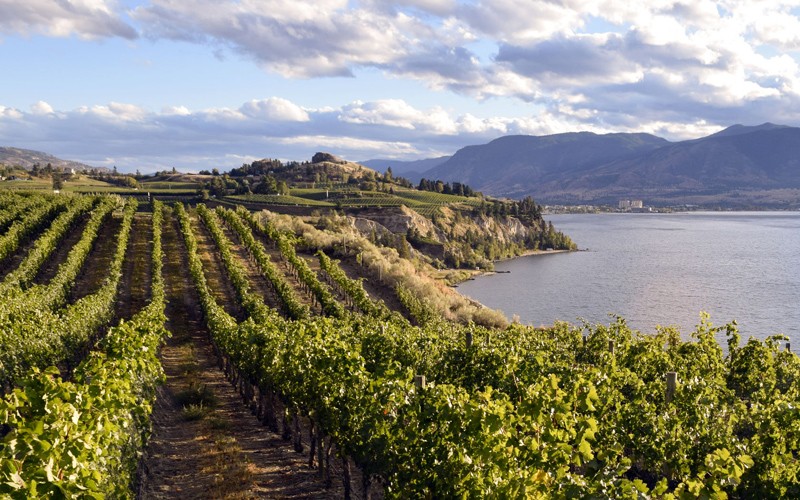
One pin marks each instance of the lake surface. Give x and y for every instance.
(660, 269)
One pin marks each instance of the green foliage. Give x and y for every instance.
(244, 223)
(83, 438)
(574, 412)
(352, 289)
(22, 228)
(422, 312)
(36, 328)
(522, 411)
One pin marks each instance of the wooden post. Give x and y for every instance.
(346, 478)
(672, 382)
(321, 453)
(611, 346)
(298, 437)
(788, 346)
(312, 440)
(468, 339)
(419, 381)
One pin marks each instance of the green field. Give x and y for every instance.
(88, 185)
(424, 202)
(275, 199)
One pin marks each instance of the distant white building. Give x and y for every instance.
(630, 204)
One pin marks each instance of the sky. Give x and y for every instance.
(197, 84)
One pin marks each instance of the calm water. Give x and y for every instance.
(660, 269)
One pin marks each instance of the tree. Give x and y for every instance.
(58, 182)
(282, 188)
(129, 181)
(268, 185)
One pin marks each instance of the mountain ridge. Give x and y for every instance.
(739, 166)
(26, 158)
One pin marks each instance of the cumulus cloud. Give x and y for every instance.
(521, 20)
(41, 108)
(131, 137)
(84, 18)
(699, 51)
(294, 38)
(398, 113)
(135, 138)
(274, 108)
(673, 67)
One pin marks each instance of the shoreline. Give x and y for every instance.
(526, 253)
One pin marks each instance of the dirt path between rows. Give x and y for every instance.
(50, 266)
(205, 442)
(134, 288)
(95, 268)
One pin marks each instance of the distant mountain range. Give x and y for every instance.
(739, 167)
(26, 158)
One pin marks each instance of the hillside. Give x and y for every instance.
(27, 158)
(739, 166)
(449, 224)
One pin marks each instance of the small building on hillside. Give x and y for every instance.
(630, 204)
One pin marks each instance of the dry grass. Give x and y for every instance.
(386, 265)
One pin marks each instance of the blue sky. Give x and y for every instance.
(194, 84)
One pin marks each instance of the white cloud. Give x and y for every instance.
(84, 18)
(398, 113)
(672, 67)
(521, 20)
(115, 112)
(350, 147)
(10, 113)
(702, 50)
(41, 108)
(134, 138)
(274, 108)
(294, 38)
(176, 110)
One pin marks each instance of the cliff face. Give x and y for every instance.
(397, 221)
(451, 237)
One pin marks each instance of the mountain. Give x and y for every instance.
(739, 166)
(26, 158)
(411, 170)
(739, 129)
(512, 164)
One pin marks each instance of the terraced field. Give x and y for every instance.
(424, 202)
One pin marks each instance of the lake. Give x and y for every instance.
(660, 269)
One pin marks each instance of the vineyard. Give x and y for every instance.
(425, 202)
(119, 320)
